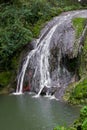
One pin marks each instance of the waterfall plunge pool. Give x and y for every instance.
(22, 112)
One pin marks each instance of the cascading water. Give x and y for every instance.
(44, 53)
(37, 64)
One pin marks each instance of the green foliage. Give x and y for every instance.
(80, 124)
(72, 7)
(84, 125)
(79, 93)
(83, 112)
(14, 31)
(83, 118)
(79, 25)
(5, 78)
(37, 27)
(59, 128)
(83, 58)
(39, 8)
(64, 128)
(19, 24)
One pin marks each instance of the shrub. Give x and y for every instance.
(59, 128)
(14, 31)
(83, 112)
(84, 125)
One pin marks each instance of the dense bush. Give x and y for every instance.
(81, 123)
(14, 31)
(79, 93)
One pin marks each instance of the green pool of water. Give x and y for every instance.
(26, 113)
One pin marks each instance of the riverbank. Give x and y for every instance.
(79, 124)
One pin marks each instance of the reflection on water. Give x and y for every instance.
(26, 113)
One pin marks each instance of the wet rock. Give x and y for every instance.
(11, 90)
(52, 90)
(49, 91)
(54, 56)
(44, 91)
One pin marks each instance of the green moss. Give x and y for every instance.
(59, 128)
(78, 24)
(68, 91)
(83, 60)
(79, 92)
(37, 28)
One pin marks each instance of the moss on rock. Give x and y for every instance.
(83, 60)
(79, 92)
(78, 24)
(76, 93)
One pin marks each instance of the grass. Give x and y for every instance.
(78, 24)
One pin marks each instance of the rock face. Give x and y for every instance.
(52, 64)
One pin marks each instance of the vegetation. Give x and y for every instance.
(79, 93)
(4, 81)
(79, 24)
(76, 93)
(83, 59)
(80, 124)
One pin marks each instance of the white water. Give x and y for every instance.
(43, 49)
(44, 61)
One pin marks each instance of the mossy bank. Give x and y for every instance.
(76, 93)
(80, 124)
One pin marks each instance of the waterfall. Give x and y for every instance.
(43, 50)
(39, 59)
(22, 73)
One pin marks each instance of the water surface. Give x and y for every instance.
(26, 113)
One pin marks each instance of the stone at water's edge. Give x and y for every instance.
(48, 67)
